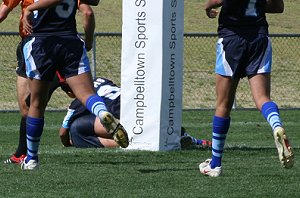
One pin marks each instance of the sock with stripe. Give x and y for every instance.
(95, 105)
(34, 130)
(219, 133)
(270, 112)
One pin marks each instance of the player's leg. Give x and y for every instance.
(228, 62)
(22, 93)
(40, 73)
(23, 96)
(35, 121)
(100, 130)
(260, 87)
(258, 71)
(108, 143)
(260, 84)
(225, 89)
(84, 91)
(106, 139)
(82, 133)
(82, 86)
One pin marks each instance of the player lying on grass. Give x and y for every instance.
(82, 129)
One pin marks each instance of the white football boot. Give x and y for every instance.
(207, 170)
(31, 165)
(285, 151)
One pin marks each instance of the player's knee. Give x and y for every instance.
(23, 108)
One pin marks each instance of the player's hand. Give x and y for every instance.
(65, 137)
(26, 20)
(212, 13)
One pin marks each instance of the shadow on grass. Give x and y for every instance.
(241, 148)
(164, 170)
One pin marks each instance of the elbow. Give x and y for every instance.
(89, 13)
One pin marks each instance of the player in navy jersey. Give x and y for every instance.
(22, 86)
(243, 50)
(82, 129)
(53, 45)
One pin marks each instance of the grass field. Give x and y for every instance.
(199, 56)
(251, 166)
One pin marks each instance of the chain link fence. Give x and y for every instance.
(199, 60)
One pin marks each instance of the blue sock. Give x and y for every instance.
(220, 129)
(34, 127)
(270, 112)
(199, 142)
(95, 105)
(195, 140)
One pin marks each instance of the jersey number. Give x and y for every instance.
(109, 92)
(65, 8)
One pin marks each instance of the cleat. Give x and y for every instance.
(15, 160)
(208, 171)
(113, 127)
(285, 151)
(30, 165)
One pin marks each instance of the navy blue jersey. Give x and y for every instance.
(107, 90)
(242, 17)
(58, 20)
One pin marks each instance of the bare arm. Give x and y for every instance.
(4, 11)
(88, 24)
(210, 7)
(274, 6)
(65, 137)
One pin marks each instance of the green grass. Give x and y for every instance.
(251, 166)
(199, 56)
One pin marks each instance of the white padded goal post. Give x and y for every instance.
(152, 73)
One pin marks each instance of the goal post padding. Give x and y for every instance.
(152, 73)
